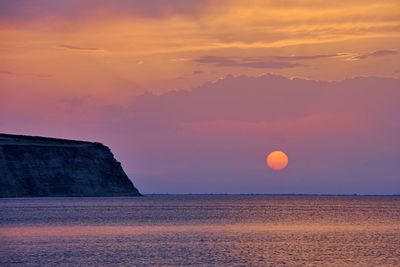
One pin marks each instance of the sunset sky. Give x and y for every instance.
(192, 95)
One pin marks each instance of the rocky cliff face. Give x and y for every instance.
(39, 167)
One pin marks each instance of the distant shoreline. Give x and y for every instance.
(266, 194)
(209, 194)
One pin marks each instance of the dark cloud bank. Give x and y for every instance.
(341, 137)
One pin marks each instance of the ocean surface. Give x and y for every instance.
(201, 230)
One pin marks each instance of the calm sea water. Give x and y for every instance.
(203, 230)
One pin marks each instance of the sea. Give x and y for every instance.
(201, 230)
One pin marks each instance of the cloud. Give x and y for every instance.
(222, 130)
(76, 9)
(259, 63)
(280, 62)
(377, 53)
(75, 101)
(17, 74)
(188, 27)
(261, 98)
(181, 59)
(5, 72)
(309, 57)
(197, 72)
(78, 48)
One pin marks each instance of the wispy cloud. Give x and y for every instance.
(197, 72)
(181, 59)
(75, 101)
(279, 62)
(376, 53)
(308, 57)
(259, 63)
(17, 74)
(5, 72)
(79, 48)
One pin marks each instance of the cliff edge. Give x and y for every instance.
(32, 166)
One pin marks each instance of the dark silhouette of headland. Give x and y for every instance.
(32, 166)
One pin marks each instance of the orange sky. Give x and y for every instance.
(102, 49)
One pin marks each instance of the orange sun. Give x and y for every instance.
(277, 160)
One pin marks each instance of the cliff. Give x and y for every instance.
(33, 166)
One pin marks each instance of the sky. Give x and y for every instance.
(192, 95)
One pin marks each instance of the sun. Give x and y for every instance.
(277, 160)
